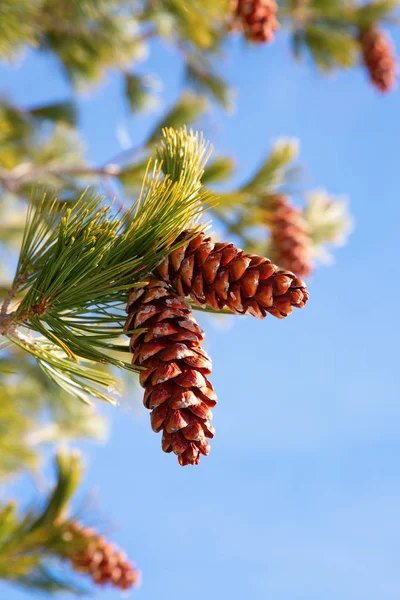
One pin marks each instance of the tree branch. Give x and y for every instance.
(10, 295)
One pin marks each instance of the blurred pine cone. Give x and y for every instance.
(220, 275)
(379, 58)
(175, 367)
(103, 562)
(290, 238)
(257, 19)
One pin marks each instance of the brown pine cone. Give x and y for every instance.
(220, 275)
(257, 18)
(379, 58)
(103, 562)
(290, 238)
(177, 390)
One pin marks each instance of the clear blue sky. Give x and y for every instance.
(299, 498)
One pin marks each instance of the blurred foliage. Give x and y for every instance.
(329, 222)
(31, 139)
(37, 549)
(200, 23)
(327, 30)
(203, 79)
(36, 413)
(139, 91)
(27, 541)
(91, 36)
(185, 112)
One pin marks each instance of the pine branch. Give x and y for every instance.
(25, 538)
(29, 172)
(18, 281)
(34, 546)
(77, 264)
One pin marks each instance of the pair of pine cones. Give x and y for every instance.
(166, 340)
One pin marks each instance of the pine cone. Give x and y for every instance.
(257, 18)
(103, 562)
(290, 238)
(379, 58)
(220, 275)
(175, 367)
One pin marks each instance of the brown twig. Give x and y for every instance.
(11, 293)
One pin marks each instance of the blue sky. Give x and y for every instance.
(299, 498)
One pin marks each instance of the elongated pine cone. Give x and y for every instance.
(103, 562)
(257, 19)
(379, 58)
(290, 238)
(177, 390)
(220, 275)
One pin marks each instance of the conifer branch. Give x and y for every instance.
(77, 265)
(28, 172)
(32, 544)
